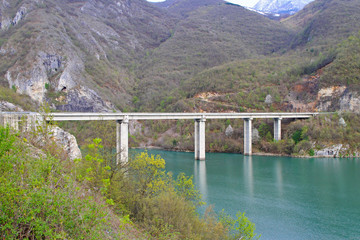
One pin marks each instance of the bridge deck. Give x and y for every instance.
(170, 116)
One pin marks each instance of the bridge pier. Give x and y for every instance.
(199, 139)
(122, 140)
(247, 136)
(277, 129)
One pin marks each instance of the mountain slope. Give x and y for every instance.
(210, 36)
(326, 22)
(184, 7)
(77, 52)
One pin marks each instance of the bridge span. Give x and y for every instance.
(122, 126)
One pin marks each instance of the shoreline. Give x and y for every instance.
(253, 154)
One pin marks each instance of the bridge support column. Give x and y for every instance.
(200, 139)
(122, 140)
(247, 136)
(277, 129)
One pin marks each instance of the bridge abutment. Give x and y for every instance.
(122, 140)
(199, 139)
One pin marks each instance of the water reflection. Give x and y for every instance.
(279, 177)
(200, 178)
(249, 174)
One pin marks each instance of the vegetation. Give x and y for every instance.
(24, 101)
(44, 195)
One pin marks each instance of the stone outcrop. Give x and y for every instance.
(6, 21)
(338, 98)
(83, 99)
(229, 131)
(337, 150)
(9, 107)
(269, 99)
(67, 142)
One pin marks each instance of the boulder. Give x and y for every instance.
(229, 131)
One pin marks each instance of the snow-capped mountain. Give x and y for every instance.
(281, 6)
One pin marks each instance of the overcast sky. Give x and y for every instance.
(246, 3)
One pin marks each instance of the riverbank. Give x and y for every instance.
(317, 154)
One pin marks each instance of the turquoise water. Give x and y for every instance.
(287, 198)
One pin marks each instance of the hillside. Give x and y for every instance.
(208, 37)
(325, 22)
(185, 7)
(95, 55)
(296, 78)
(77, 54)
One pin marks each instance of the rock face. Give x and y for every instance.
(337, 150)
(67, 142)
(83, 99)
(332, 151)
(338, 98)
(9, 107)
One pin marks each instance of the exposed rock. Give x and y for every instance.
(229, 131)
(20, 14)
(268, 99)
(350, 102)
(338, 98)
(67, 142)
(255, 135)
(83, 99)
(31, 83)
(52, 62)
(6, 22)
(342, 122)
(332, 151)
(9, 107)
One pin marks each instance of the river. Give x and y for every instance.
(286, 198)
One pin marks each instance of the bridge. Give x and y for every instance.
(122, 126)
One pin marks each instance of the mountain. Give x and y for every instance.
(210, 36)
(130, 55)
(325, 22)
(77, 55)
(281, 6)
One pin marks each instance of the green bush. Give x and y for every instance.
(39, 198)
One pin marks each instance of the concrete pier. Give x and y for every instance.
(248, 136)
(277, 129)
(199, 139)
(122, 140)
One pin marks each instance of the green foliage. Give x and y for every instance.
(9, 95)
(39, 199)
(300, 135)
(241, 227)
(6, 140)
(264, 129)
(311, 152)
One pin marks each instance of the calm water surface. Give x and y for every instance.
(287, 198)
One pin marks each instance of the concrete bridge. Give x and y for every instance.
(122, 126)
